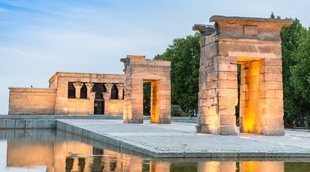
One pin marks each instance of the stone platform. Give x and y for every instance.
(181, 140)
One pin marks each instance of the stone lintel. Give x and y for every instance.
(216, 18)
(249, 28)
(33, 90)
(140, 60)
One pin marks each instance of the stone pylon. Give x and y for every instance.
(254, 46)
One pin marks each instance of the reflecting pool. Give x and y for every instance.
(54, 151)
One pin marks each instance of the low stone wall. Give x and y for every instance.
(49, 121)
(38, 101)
(41, 121)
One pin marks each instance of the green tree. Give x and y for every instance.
(293, 105)
(184, 55)
(300, 75)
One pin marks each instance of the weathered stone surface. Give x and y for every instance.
(255, 44)
(139, 70)
(54, 100)
(32, 101)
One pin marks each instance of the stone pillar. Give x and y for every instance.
(108, 87)
(209, 166)
(208, 107)
(227, 92)
(120, 88)
(106, 97)
(92, 102)
(89, 86)
(271, 96)
(160, 166)
(262, 166)
(77, 86)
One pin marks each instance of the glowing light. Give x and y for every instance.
(251, 121)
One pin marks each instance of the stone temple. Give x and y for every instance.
(88, 94)
(240, 66)
(254, 46)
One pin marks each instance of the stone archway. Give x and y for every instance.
(255, 44)
(139, 70)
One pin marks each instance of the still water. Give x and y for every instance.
(51, 151)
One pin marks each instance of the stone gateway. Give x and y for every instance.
(254, 46)
(139, 70)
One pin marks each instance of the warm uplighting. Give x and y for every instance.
(154, 102)
(251, 76)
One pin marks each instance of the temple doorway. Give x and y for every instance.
(151, 99)
(249, 96)
(99, 104)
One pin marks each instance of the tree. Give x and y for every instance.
(300, 75)
(184, 55)
(293, 106)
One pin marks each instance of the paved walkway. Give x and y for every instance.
(180, 140)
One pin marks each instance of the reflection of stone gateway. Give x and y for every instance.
(255, 44)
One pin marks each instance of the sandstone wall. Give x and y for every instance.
(79, 106)
(139, 70)
(36, 101)
(255, 45)
(115, 107)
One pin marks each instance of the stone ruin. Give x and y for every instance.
(137, 71)
(254, 46)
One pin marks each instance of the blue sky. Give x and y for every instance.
(40, 37)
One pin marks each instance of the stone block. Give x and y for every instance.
(273, 69)
(10, 123)
(273, 85)
(272, 130)
(223, 67)
(273, 121)
(250, 30)
(228, 92)
(228, 130)
(224, 84)
(272, 77)
(228, 101)
(227, 119)
(209, 119)
(273, 62)
(208, 129)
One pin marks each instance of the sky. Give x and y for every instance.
(40, 37)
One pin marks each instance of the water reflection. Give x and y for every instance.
(58, 155)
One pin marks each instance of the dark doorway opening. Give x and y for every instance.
(99, 104)
(237, 107)
(147, 98)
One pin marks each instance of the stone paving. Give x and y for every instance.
(181, 140)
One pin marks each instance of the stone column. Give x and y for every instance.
(108, 87)
(160, 166)
(77, 86)
(89, 86)
(120, 88)
(106, 97)
(92, 102)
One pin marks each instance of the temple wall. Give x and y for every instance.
(78, 106)
(115, 107)
(81, 106)
(38, 101)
